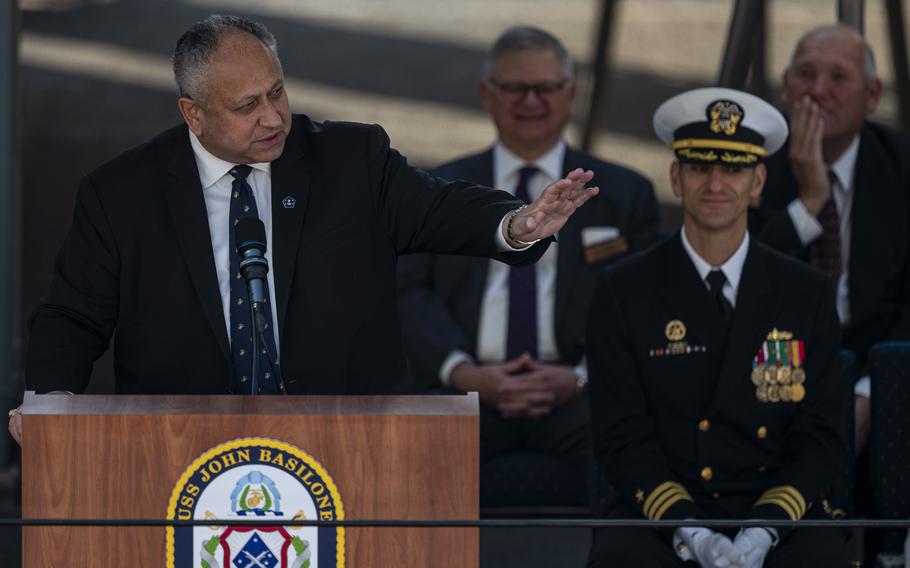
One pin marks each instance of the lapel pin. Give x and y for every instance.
(289, 202)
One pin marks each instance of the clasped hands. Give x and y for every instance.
(549, 212)
(714, 550)
(519, 387)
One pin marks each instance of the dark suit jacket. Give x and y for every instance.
(138, 260)
(660, 419)
(441, 296)
(878, 279)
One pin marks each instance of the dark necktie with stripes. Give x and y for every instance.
(243, 204)
(825, 252)
(522, 329)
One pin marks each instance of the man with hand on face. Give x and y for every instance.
(151, 254)
(838, 196)
(716, 384)
(516, 335)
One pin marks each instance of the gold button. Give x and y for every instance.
(707, 473)
(716, 495)
(762, 432)
(704, 425)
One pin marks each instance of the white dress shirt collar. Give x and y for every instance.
(732, 269)
(507, 164)
(211, 167)
(843, 167)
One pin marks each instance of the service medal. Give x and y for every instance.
(798, 377)
(786, 393)
(770, 375)
(774, 393)
(758, 375)
(799, 393)
(783, 375)
(761, 393)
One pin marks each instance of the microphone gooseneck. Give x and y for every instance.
(249, 234)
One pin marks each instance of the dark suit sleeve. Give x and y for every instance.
(625, 443)
(815, 442)
(73, 324)
(428, 214)
(770, 222)
(430, 334)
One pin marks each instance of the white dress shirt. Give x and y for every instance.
(216, 180)
(494, 312)
(732, 269)
(808, 228)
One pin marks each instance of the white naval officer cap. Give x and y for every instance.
(718, 125)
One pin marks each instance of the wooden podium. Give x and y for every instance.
(121, 457)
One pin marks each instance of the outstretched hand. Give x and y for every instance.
(549, 212)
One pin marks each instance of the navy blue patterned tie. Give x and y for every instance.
(243, 204)
(522, 330)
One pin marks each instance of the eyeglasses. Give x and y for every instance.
(521, 90)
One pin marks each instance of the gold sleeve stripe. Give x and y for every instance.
(674, 493)
(719, 145)
(783, 504)
(654, 495)
(669, 503)
(794, 503)
(791, 495)
(662, 498)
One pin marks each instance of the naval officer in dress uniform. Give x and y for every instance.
(715, 383)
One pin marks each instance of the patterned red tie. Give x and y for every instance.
(825, 252)
(522, 330)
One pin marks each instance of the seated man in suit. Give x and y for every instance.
(516, 336)
(838, 198)
(715, 371)
(151, 253)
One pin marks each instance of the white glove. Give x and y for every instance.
(708, 548)
(753, 544)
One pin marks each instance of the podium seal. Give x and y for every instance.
(256, 479)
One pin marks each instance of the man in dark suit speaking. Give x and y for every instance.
(516, 335)
(151, 254)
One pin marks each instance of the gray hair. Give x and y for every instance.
(527, 38)
(195, 48)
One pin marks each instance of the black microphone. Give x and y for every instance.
(249, 234)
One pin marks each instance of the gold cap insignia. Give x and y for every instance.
(675, 330)
(725, 117)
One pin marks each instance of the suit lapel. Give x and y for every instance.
(752, 319)
(290, 195)
(689, 301)
(186, 205)
(870, 229)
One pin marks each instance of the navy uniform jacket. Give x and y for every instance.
(138, 260)
(879, 266)
(441, 296)
(684, 435)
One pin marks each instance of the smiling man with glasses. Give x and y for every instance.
(517, 336)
